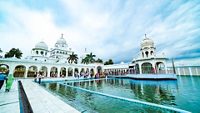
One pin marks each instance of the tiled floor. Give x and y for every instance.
(44, 102)
(9, 101)
(41, 100)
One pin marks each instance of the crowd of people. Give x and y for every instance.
(119, 72)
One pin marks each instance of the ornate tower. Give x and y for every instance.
(147, 48)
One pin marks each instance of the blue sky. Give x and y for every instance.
(108, 28)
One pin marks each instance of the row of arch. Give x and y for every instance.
(149, 68)
(144, 68)
(32, 71)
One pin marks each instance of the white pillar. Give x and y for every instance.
(190, 71)
(197, 71)
(48, 73)
(140, 68)
(73, 69)
(179, 71)
(26, 73)
(183, 71)
(58, 73)
(66, 72)
(165, 68)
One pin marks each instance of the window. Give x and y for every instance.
(45, 53)
(36, 52)
(147, 53)
(41, 52)
(151, 52)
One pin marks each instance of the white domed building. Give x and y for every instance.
(49, 63)
(148, 62)
(40, 52)
(60, 50)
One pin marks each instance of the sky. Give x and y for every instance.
(108, 28)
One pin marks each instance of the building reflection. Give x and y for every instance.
(159, 92)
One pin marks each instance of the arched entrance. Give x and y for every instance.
(82, 72)
(76, 72)
(43, 71)
(19, 71)
(137, 69)
(4, 68)
(147, 68)
(91, 72)
(99, 69)
(54, 72)
(70, 71)
(160, 67)
(63, 72)
(32, 71)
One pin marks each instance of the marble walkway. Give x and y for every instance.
(41, 100)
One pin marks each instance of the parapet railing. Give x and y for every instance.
(25, 106)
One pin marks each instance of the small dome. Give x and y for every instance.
(61, 40)
(41, 45)
(147, 42)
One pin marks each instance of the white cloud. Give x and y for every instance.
(107, 28)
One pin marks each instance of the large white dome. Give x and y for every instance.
(41, 45)
(146, 42)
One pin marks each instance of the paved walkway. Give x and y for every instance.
(41, 100)
(9, 101)
(44, 102)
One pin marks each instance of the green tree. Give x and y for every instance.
(88, 59)
(85, 60)
(91, 57)
(73, 58)
(99, 60)
(109, 62)
(14, 52)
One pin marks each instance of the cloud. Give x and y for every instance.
(109, 29)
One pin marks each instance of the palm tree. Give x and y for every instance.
(73, 58)
(91, 57)
(14, 52)
(85, 60)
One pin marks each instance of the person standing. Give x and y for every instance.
(40, 77)
(9, 82)
(2, 78)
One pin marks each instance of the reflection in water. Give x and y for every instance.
(155, 91)
(158, 92)
(91, 103)
(183, 93)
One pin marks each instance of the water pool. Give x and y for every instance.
(183, 93)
